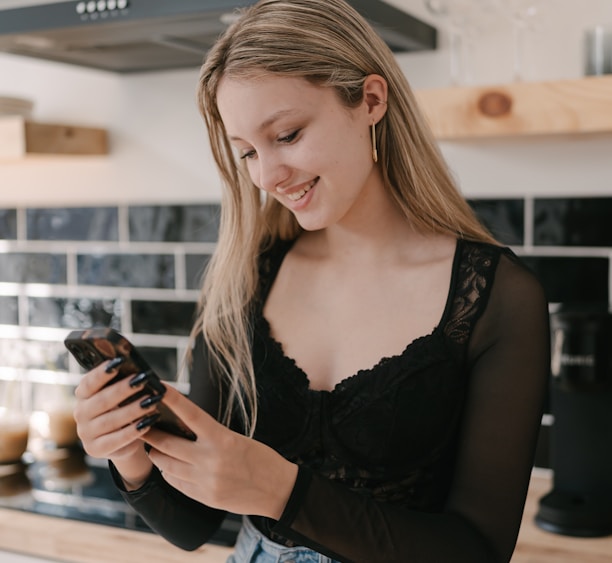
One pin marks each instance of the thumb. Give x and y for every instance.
(187, 410)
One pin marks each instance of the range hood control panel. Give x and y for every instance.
(101, 8)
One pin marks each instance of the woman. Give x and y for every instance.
(369, 365)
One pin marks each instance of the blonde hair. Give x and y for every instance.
(327, 43)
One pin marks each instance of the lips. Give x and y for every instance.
(298, 194)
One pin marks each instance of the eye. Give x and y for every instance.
(289, 138)
(248, 155)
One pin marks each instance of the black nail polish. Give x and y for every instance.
(112, 364)
(151, 401)
(138, 379)
(147, 421)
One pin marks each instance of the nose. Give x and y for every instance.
(271, 171)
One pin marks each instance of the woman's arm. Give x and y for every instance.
(166, 510)
(509, 367)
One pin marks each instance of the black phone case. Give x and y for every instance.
(93, 346)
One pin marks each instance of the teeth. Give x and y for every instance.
(299, 195)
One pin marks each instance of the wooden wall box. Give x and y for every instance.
(20, 137)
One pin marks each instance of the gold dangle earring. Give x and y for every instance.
(374, 149)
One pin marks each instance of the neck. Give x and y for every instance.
(375, 230)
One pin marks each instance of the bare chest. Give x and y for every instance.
(334, 323)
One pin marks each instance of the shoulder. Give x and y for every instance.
(273, 252)
(269, 261)
(499, 260)
(511, 283)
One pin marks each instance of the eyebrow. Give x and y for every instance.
(269, 121)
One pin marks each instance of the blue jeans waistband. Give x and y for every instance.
(253, 547)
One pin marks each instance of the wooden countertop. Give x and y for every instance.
(79, 542)
(538, 546)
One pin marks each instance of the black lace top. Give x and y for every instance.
(424, 457)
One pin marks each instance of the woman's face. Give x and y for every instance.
(301, 145)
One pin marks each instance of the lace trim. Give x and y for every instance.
(474, 279)
(298, 375)
(470, 283)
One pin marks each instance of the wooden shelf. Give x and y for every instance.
(523, 108)
(20, 137)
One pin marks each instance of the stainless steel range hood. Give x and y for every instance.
(146, 35)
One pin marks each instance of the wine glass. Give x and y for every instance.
(463, 20)
(456, 30)
(524, 15)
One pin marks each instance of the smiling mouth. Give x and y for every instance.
(296, 196)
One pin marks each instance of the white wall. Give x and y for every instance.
(158, 143)
(158, 147)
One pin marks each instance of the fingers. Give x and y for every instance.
(170, 454)
(97, 378)
(113, 419)
(111, 444)
(109, 418)
(192, 415)
(108, 398)
(103, 435)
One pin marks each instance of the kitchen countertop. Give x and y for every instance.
(57, 539)
(40, 538)
(535, 545)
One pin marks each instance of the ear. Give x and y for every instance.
(375, 96)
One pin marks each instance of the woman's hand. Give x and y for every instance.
(222, 468)
(109, 431)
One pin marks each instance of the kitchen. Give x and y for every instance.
(158, 166)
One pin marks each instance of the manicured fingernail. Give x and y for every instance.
(112, 364)
(138, 379)
(151, 401)
(147, 421)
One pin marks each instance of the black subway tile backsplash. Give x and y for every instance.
(33, 267)
(163, 317)
(179, 223)
(163, 361)
(194, 268)
(74, 313)
(47, 355)
(572, 279)
(76, 223)
(503, 217)
(127, 270)
(33, 354)
(9, 310)
(573, 221)
(8, 224)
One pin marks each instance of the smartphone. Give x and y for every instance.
(94, 346)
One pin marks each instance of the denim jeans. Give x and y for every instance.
(253, 547)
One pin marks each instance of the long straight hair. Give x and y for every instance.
(327, 43)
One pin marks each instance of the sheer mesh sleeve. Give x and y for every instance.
(179, 519)
(508, 359)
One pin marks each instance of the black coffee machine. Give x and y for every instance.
(580, 503)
